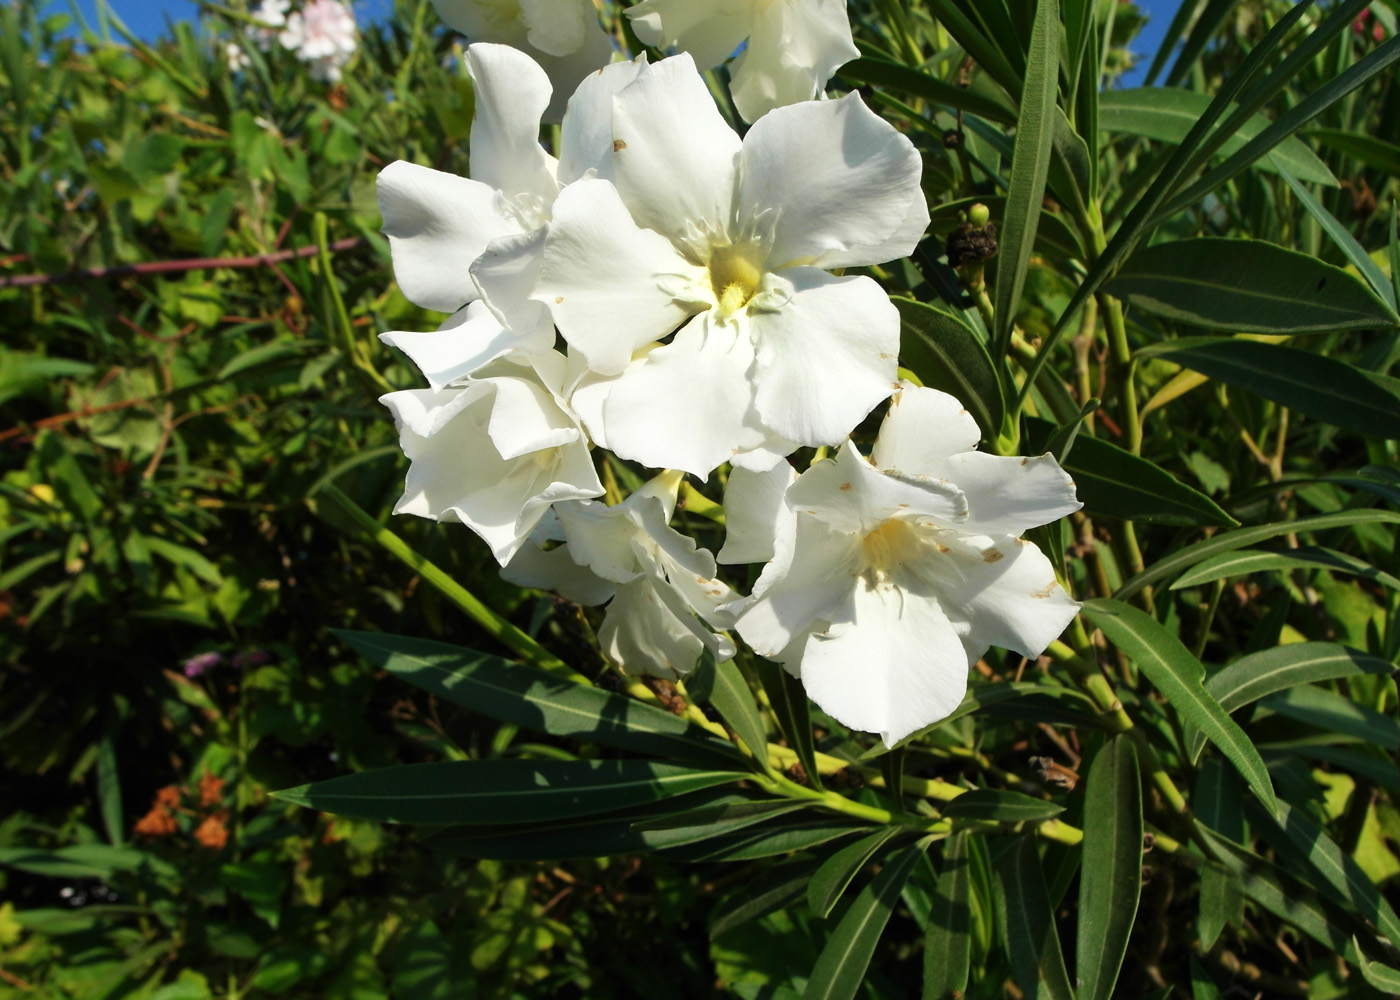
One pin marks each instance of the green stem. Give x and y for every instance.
(342, 324)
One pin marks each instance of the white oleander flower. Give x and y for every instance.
(236, 58)
(456, 240)
(322, 34)
(687, 226)
(563, 36)
(271, 16)
(664, 602)
(794, 46)
(890, 576)
(493, 451)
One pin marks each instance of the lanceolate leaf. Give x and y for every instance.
(1245, 561)
(1179, 675)
(775, 889)
(535, 700)
(724, 687)
(1023, 909)
(1030, 165)
(1333, 713)
(946, 354)
(841, 967)
(1323, 388)
(1110, 882)
(1000, 805)
(781, 835)
(1368, 149)
(789, 700)
(1260, 674)
(488, 792)
(883, 73)
(1117, 483)
(1356, 255)
(1240, 537)
(1167, 114)
(714, 819)
(948, 942)
(837, 871)
(1246, 285)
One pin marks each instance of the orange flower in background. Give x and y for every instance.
(211, 790)
(160, 821)
(213, 833)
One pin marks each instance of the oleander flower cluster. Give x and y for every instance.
(321, 34)
(656, 298)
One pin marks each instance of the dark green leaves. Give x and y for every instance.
(1030, 165)
(1246, 285)
(1023, 910)
(1111, 868)
(487, 792)
(533, 699)
(1324, 388)
(946, 354)
(841, 967)
(1179, 676)
(948, 941)
(1115, 482)
(1001, 806)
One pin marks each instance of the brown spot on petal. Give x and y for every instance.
(886, 357)
(845, 486)
(1046, 590)
(619, 145)
(992, 555)
(1025, 461)
(559, 300)
(943, 548)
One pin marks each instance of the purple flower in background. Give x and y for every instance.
(201, 662)
(251, 658)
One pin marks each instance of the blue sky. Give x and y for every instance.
(147, 18)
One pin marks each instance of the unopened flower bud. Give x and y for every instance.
(978, 215)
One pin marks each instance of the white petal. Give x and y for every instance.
(754, 513)
(892, 664)
(923, 429)
(853, 497)
(690, 406)
(600, 537)
(506, 274)
(826, 358)
(766, 456)
(602, 277)
(557, 27)
(586, 139)
(424, 412)
(1007, 495)
(675, 160)
(802, 589)
(554, 570)
(512, 93)
(709, 32)
(794, 50)
(643, 636)
(469, 340)
(568, 71)
(1003, 595)
(525, 418)
(437, 225)
(842, 180)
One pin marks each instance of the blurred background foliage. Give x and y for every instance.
(191, 281)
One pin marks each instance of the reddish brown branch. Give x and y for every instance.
(174, 266)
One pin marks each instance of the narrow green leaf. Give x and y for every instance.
(1243, 562)
(789, 700)
(1023, 910)
(97, 861)
(591, 837)
(1228, 541)
(716, 819)
(1114, 482)
(774, 889)
(948, 941)
(782, 835)
(1001, 806)
(837, 871)
(840, 968)
(1261, 674)
(533, 699)
(1166, 114)
(1355, 254)
(975, 42)
(1172, 669)
(109, 789)
(1246, 285)
(1030, 165)
(488, 792)
(1171, 38)
(724, 687)
(1367, 149)
(1317, 101)
(1208, 22)
(1333, 713)
(883, 73)
(1304, 846)
(946, 354)
(1111, 880)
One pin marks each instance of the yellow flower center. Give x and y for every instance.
(735, 273)
(888, 546)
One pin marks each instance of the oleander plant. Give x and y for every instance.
(774, 498)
